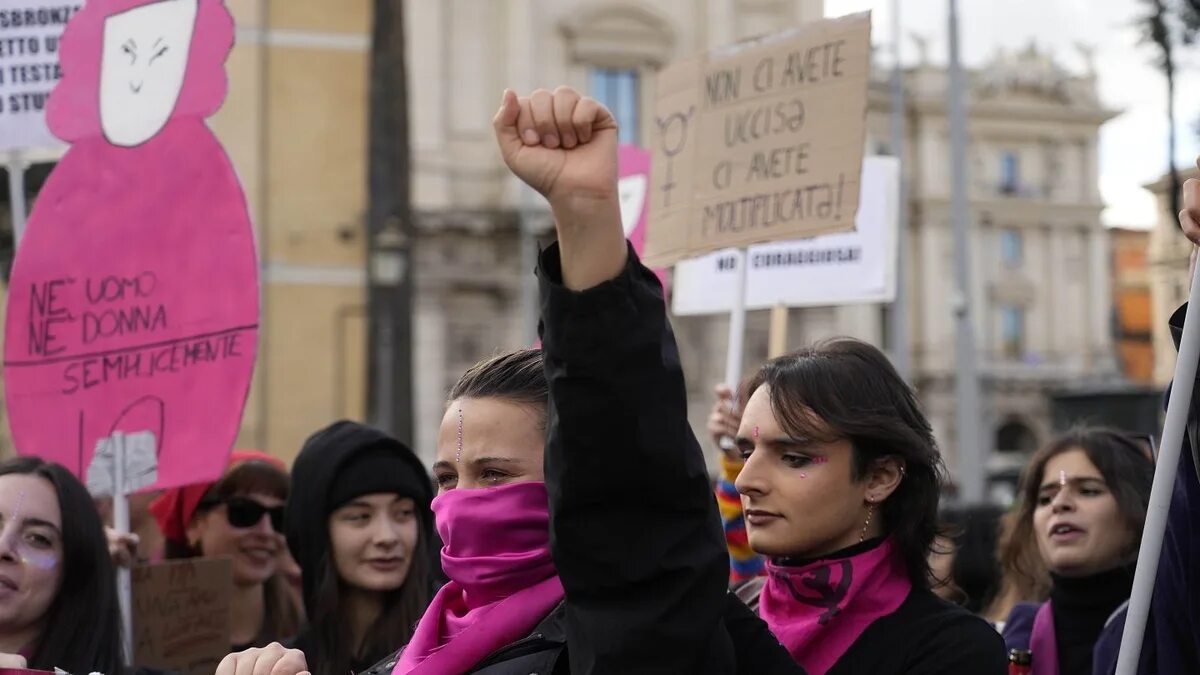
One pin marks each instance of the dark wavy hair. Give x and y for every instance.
(82, 627)
(1127, 470)
(855, 394)
(975, 570)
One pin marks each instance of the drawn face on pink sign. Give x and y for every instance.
(133, 307)
(143, 62)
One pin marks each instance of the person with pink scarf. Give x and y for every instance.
(839, 479)
(559, 565)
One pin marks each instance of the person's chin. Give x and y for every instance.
(770, 545)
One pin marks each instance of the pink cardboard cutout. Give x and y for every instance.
(133, 306)
(634, 167)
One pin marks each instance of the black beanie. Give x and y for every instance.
(379, 468)
(338, 463)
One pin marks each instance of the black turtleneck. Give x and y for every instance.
(1081, 607)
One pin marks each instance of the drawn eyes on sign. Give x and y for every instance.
(130, 49)
(159, 51)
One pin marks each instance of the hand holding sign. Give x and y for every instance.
(565, 147)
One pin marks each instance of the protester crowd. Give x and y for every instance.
(569, 523)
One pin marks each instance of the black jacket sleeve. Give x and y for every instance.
(634, 528)
(1173, 633)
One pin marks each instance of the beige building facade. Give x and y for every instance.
(295, 126)
(1169, 283)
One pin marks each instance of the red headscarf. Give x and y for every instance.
(174, 508)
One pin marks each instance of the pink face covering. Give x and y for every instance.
(818, 610)
(502, 578)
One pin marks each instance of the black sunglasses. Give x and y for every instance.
(243, 512)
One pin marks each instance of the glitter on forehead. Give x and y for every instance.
(1062, 478)
(458, 455)
(45, 561)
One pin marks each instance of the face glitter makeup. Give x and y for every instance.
(458, 455)
(1062, 478)
(820, 460)
(756, 432)
(803, 475)
(43, 560)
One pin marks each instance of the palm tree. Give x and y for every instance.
(1168, 24)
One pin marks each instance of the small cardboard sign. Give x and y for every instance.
(760, 141)
(30, 35)
(181, 614)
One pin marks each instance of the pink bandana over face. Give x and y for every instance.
(502, 578)
(818, 610)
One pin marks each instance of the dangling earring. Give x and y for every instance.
(870, 511)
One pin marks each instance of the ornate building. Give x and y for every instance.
(1169, 283)
(1040, 255)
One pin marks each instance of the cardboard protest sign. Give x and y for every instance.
(30, 32)
(181, 614)
(133, 305)
(832, 269)
(760, 141)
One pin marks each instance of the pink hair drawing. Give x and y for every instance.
(73, 112)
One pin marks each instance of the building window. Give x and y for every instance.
(617, 89)
(1012, 248)
(1012, 331)
(1010, 173)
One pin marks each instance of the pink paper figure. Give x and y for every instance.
(632, 189)
(133, 306)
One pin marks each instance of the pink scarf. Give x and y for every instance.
(1043, 643)
(502, 578)
(818, 610)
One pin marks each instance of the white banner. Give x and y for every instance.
(835, 269)
(29, 38)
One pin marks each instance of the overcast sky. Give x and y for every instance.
(1133, 146)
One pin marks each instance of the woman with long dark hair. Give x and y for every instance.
(239, 516)
(1083, 501)
(58, 595)
(360, 526)
(839, 488)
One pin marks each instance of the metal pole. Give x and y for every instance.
(121, 525)
(737, 335)
(1164, 486)
(16, 194)
(901, 350)
(967, 419)
(737, 325)
(529, 283)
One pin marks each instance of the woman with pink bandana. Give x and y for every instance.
(554, 567)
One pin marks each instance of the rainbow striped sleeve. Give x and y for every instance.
(743, 563)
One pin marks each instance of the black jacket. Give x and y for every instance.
(640, 551)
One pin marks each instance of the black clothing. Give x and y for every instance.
(1081, 608)
(642, 558)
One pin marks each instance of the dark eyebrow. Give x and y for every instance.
(482, 461)
(38, 522)
(477, 462)
(156, 43)
(1073, 481)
